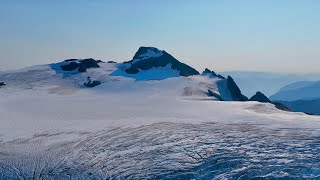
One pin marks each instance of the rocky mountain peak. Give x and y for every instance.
(208, 72)
(147, 52)
(235, 90)
(149, 57)
(260, 97)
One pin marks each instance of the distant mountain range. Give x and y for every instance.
(268, 83)
(303, 96)
(303, 90)
(307, 106)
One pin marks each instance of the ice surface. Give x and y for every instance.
(53, 128)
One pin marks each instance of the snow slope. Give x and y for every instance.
(54, 128)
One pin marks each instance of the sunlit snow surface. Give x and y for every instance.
(52, 128)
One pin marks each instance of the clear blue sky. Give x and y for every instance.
(255, 35)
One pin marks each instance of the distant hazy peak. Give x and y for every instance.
(297, 85)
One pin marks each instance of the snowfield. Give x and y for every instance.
(129, 128)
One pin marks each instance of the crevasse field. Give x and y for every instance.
(130, 128)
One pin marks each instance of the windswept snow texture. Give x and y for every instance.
(52, 128)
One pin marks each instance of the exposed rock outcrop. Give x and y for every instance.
(70, 67)
(88, 63)
(91, 83)
(260, 97)
(2, 84)
(81, 65)
(235, 90)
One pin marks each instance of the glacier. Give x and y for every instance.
(132, 128)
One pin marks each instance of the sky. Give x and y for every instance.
(223, 35)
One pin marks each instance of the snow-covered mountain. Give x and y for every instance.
(303, 90)
(148, 64)
(152, 117)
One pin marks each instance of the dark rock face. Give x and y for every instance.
(81, 65)
(158, 61)
(212, 94)
(86, 64)
(111, 62)
(260, 97)
(70, 67)
(2, 84)
(235, 91)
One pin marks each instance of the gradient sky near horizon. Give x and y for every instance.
(224, 35)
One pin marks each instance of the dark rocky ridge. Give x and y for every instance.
(70, 60)
(212, 73)
(70, 67)
(235, 90)
(81, 65)
(2, 84)
(161, 61)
